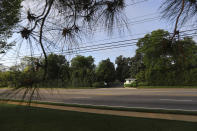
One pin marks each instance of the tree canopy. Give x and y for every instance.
(55, 65)
(161, 57)
(106, 71)
(55, 21)
(10, 15)
(166, 63)
(82, 71)
(123, 68)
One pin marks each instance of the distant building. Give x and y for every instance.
(129, 80)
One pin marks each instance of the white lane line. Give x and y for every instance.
(174, 100)
(80, 97)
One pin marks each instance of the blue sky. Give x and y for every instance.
(148, 9)
(137, 12)
(132, 12)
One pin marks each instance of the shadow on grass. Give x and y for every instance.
(17, 118)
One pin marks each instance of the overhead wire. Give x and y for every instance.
(103, 46)
(132, 22)
(103, 49)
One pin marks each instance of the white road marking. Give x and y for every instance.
(80, 97)
(174, 100)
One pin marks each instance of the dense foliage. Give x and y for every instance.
(122, 69)
(106, 71)
(9, 14)
(82, 71)
(158, 61)
(164, 62)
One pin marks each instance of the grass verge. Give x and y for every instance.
(20, 118)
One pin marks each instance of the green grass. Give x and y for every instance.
(167, 87)
(19, 118)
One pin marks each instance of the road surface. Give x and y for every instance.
(174, 98)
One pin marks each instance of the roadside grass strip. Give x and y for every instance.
(25, 118)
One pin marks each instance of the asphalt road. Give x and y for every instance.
(178, 99)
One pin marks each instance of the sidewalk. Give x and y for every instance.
(188, 118)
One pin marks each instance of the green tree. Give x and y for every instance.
(56, 64)
(105, 71)
(58, 71)
(31, 70)
(167, 62)
(73, 16)
(82, 71)
(9, 14)
(136, 65)
(4, 78)
(122, 69)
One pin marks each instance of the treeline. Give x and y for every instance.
(79, 72)
(162, 62)
(158, 61)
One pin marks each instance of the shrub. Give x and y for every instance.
(115, 84)
(142, 84)
(134, 84)
(98, 84)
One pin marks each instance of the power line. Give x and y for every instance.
(108, 47)
(109, 43)
(135, 3)
(103, 46)
(115, 42)
(129, 23)
(127, 36)
(101, 49)
(118, 41)
(114, 26)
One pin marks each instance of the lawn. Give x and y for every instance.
(19, 118)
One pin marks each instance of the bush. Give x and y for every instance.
(142, 84)
(98, 84)
(115, 84)
(134, 84)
